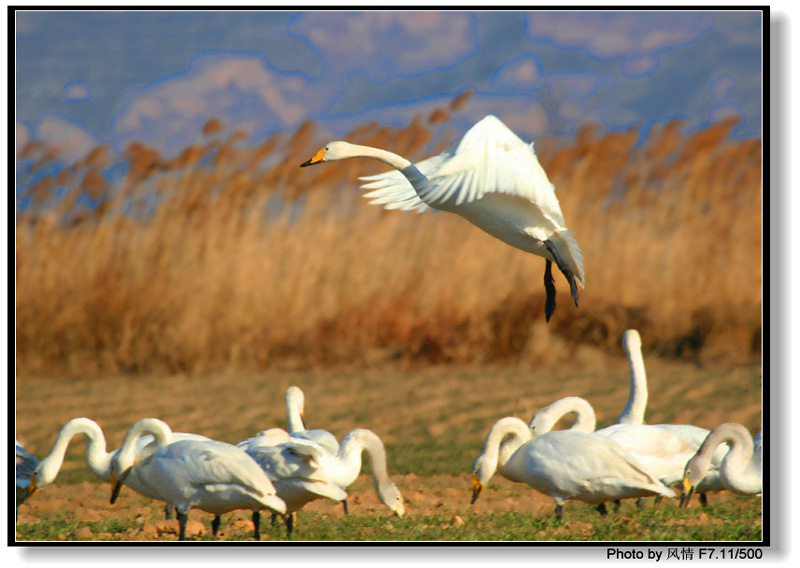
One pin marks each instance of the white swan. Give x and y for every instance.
(302, 470)
(492, 179)
(564, 464)
(25, 466)
(295, 414)
(203, 474)
(661, 452)
(637, 403)
(97, 458)
(740, 471)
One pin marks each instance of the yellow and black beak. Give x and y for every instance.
(688, 489)
(477, 487)
(116, 485)
(318, 158)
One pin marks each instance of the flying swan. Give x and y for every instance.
(492, 179)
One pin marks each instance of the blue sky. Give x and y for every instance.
(156, 77)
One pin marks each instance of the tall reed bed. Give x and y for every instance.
(229, 256)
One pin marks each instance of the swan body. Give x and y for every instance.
(564, 464)
(661, 452)
(303, 470)
(295, 413)
(203, 474)
(740, 471)
(492, 179)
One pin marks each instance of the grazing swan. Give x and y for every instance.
(564, 464)
(202, 474)
(303, 471)
(663, 454)
(740, 471)
(25, 465)
(295, 413)
(492, 179)
(97, 458)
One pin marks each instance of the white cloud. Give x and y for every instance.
(77, 92)
(618, 35)
(68, 139)
(242, 89)
(384, 45)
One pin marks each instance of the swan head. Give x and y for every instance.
(332, 151)
(390, 495)
(631, 340)
(482, 472)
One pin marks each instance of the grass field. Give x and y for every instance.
(433, 422)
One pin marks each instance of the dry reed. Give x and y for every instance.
(231, 257)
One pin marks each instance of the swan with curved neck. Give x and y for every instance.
(740, 471)
(492, 179)
(97, 458)
(564, 464)
(303, 471)
(203, 474)
(637, 398)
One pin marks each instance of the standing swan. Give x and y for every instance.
(204, 474)
(492, 179)
(303, 471)
(740, 471)
(564, 464)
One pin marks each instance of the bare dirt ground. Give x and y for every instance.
(428, 408)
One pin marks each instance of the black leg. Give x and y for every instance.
(703, 500)
(344, 504)
(274, 518)
(640, 503)
(658, 499)
(182, 518)
(617, 505)
(168, 508)
(565, 270)
(549, 290)
(256, 525)
(559, 511)
(290, 519)
(601, 508)
(215, 525)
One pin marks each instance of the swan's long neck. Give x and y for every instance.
(294, 410)
(737, 468)
(637, 399)
(415, 177)
(505, 437)
(96, 456)
(585, 420)
(127, 453)
(362, 440)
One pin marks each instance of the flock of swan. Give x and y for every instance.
(494, 180)
(280, 471)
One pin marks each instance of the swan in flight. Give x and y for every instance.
(564, 464)
(97, 458)
(740, 471)
(303, 471)
(193, 474)
(25, 465)
(492, 179)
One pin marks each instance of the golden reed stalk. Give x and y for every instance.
(238, 259)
